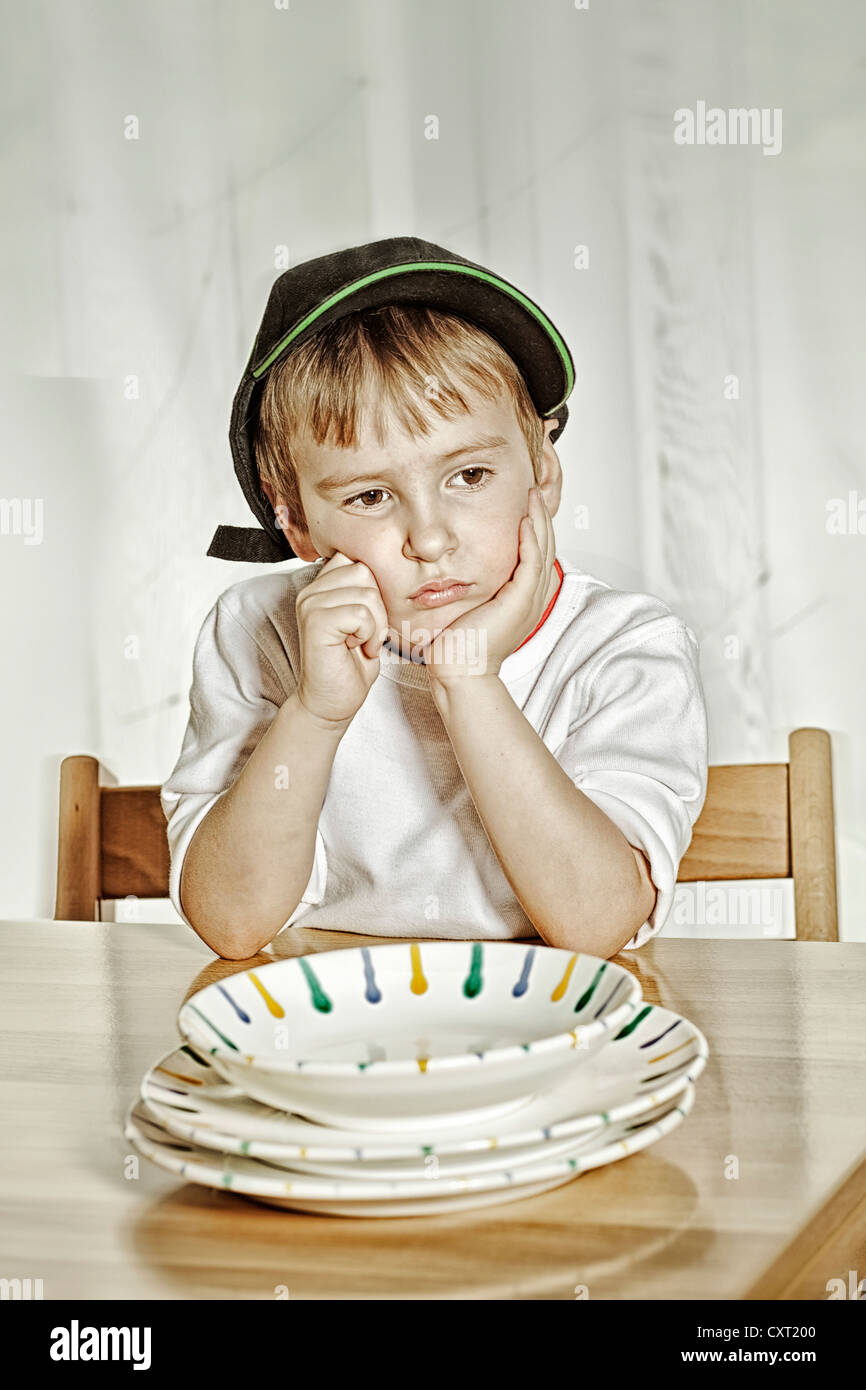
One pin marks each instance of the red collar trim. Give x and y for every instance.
(546, 614)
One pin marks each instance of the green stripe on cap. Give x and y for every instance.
(371, 279)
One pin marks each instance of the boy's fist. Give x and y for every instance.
(342, 624)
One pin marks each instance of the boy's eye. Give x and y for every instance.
(476, 469)
(378, 491)
(371, 492)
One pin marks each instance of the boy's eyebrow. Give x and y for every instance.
(487, 442)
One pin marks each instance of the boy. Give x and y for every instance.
(523, 752)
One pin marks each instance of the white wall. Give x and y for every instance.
(151, 260)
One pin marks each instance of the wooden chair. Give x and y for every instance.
(112, 842)
(774, 820)
(759, 820)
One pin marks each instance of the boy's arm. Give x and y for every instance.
(252, 855)
(579, 881)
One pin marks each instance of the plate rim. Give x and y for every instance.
(374, 1191)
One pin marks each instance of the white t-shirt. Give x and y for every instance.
(610, 682)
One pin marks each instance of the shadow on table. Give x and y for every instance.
(585, 1235)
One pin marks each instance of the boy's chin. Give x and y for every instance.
(416, 635)
(440, 618)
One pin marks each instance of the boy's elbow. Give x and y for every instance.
(647, 891)
(646, 898)
(227, 944)
(227, 941)
(224, 938)
(240, 954)
(599, 939)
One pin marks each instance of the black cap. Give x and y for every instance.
(398, 270)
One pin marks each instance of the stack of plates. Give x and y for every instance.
(415, 1078)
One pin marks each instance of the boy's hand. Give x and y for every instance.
(342, 624)
(506, 619)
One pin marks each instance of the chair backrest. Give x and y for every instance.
(112, 842)
(774, 820)
(761, 820)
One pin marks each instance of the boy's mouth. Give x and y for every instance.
(434, 595)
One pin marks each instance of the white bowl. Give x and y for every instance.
(642, 1066)
(380, 1037)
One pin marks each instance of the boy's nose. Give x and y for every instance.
(429, 536)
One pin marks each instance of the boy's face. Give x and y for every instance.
(439, 506)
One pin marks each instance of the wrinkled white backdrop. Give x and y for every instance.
(135, 272)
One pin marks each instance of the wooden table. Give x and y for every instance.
(760, 1194)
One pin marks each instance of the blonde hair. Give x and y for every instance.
(402, 359)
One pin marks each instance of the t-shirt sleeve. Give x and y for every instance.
(234, 696)
(638, 749)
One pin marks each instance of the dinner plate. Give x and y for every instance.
(652, 1058)
(440, 1165)
(252, 1177)
(433, 1206)
(383, 1037)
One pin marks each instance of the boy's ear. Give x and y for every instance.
(550, 473)
(297, 536)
